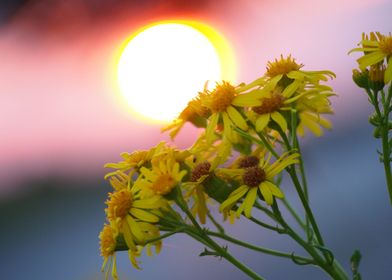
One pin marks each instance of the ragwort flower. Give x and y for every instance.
(256, 180)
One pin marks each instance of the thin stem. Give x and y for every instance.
(383, 126)
(216, 224)
(259, 249)
(294, 213)
(333, 269)
(201, 234)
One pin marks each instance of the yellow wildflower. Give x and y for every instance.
(194, 113)
(221, 102)
(161, 178)
(107, 241)
(126, 209)
(257, 179)
(376, 49)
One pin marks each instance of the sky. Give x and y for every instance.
(61, 116)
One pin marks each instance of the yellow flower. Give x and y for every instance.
(272, 103)
(221, 102)
(256, 180)
(286, 73)
(131, 162)
(376, 49)
(126, 209)
(163, 176)
(194, 113)
(107, 242)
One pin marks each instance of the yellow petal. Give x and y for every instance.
(210, 130)
(144, 215)
(370, 59)
(227, 129)
(262, 122)
(274, 189)
(248, 99)
(233, 198)
(277, 117)
(291, 88)
(236, 117)
(265, 191)
(135, 229)
(249, 201)
(388, 72)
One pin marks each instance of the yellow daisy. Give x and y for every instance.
(272, 104)
(256, 180)
(194, 113)
(376, 49)
(126, 209)
(163, 176)
(286, 73)
(107, 242)
(222, 101)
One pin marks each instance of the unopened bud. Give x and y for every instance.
(376, 77)
(361, 78)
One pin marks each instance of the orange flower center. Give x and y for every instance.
(163, 185)
(282, 66)
(200, 170)
(222, 97)
(269, 104)
(386, 45)
(253, 176)
(249, 161)
(119, 204)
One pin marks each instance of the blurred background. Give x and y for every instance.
(62, 119)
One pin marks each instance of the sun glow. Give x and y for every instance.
(164, 65)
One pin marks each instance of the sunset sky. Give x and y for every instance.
(61, 113)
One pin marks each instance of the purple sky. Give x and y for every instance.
(59, 112)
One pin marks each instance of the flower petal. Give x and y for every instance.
(370, 59)
(249, 201)
(233, 198)
(236, 117)
(274, 189)
(144, 215)
(265, 191)
(279, 119)
(262, 122)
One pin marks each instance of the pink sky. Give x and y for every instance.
(58, 109)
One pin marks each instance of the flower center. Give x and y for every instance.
(222, 97)
(200, 170)
(249, 161)
(269, 104)
(253, 176)
(386, 45)
(119, 204)
(163, 185)
(282, 66)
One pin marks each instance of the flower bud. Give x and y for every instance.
(376, 77)
(361, 78)
(374, 119)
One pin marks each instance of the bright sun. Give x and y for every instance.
(164, 65)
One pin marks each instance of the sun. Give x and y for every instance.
(164, 65)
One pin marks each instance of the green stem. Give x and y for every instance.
(383, 126)
(294, 213)
(259, 249)
(201, 233)
(216, 224)
(333, 269)
(302, 197)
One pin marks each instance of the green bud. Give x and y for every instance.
(377, 132)
(374, 120)
(361, 78)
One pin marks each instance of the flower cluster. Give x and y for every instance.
(234, 162)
